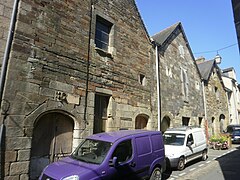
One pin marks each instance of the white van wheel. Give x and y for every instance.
(204, 155)
(181, 163)
(156, 174)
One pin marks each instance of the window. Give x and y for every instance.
(190, 139)
(181, 51)
(185, 121)
(142, 79)
(123, 151)
(169, 72)
(184, 81)
(217, 93)
(197, 84)
(102, 34)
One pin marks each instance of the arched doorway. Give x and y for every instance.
(141, 121)
(52, 140)
(221, 122)
(165, 124)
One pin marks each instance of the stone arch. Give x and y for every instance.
(221, 122)
(141, 121)
(50, 132)
(165, 124)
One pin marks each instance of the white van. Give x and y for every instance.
(183, 145)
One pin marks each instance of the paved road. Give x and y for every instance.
(220, 165)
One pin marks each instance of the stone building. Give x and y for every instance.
(232, 90)
(181, 92)
(217, 113)
(74, 68)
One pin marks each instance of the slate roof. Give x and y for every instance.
(205, 69)
(162, 36)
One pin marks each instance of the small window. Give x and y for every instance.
(197, 85)
(181, 51)
(103, 28)
(185, 83)
(217, 93)
(142, 79)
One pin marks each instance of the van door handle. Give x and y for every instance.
(132, 164)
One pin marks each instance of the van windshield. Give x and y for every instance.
(174, 139)
(91, 151)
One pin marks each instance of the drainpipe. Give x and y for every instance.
(205, 111)
(8, 48)
(2, 83)
(158, 89)
(88, 64)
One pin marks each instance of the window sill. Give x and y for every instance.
(103, 53)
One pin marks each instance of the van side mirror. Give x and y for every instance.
(113, 162)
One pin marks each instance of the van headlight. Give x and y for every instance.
(73, 177)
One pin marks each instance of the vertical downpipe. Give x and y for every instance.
(158, 89)
(8, 48)
(205, 111)
(2, 83)
(88, 64)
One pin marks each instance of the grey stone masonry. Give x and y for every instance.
(55, 68)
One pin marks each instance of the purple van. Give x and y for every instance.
(125, 154)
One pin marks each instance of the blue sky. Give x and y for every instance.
(208, 25)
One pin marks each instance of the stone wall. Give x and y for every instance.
(217, 104)
(175, 57)
(48, 68)
(5, 18)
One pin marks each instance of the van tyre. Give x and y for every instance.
(181, 164)
(204, 155)
(156, 174)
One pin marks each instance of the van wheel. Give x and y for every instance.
(181, 164)
(156, 174)
(204, 155)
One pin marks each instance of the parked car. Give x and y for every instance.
(232, 127)
(184, 144)
(236, 136)
(234, 131)
(125, 154)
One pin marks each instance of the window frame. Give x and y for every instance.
(103, 33)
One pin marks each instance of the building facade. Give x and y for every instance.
(217, 113)
(75, 68)
(181, 92)
(231, 85)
